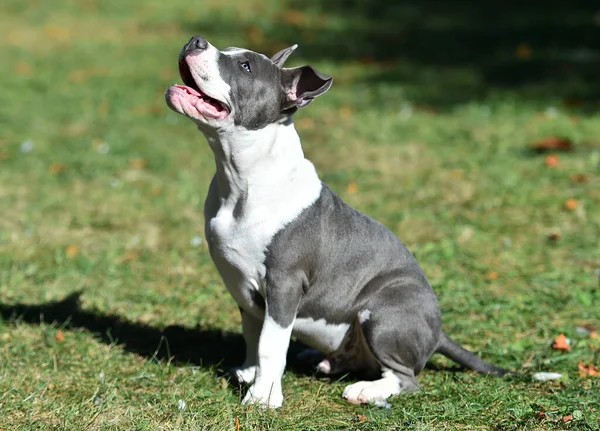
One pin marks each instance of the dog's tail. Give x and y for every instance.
(452, 350)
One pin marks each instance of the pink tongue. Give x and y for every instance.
(190, 90)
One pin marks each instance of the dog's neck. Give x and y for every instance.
(246, 158)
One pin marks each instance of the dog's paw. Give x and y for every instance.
(267, 396)
(244, 374)
(376, 392)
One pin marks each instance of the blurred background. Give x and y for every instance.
(470, 129)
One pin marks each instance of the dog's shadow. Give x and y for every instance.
(204, 347)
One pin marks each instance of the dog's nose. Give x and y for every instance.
(197, 42)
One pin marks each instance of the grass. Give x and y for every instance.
(112, 316)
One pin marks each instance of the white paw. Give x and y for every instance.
(267, 396)
(375, 392)
(244, 374)
(324, 366)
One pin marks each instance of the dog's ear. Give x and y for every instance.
(283, 55)
(302, 84)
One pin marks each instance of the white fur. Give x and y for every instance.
(272, 351)
(204, 68)
(323, 336)
(374, 392)
(263, 182)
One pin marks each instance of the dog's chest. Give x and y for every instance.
(239, 234)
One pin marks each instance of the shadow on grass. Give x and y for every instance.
(443, 52)
(205, 347)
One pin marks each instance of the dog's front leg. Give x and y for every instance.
(251, 328)
(282, 301)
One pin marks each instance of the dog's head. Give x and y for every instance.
(240, 88)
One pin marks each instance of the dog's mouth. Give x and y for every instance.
(206, 105)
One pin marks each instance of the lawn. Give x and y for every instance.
(112, 316)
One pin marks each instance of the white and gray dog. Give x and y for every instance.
(296, 259)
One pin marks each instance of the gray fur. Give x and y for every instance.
(346, 262)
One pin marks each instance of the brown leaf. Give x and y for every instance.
(579, 178)
(352, 188)
(237, 423)
(523, 51)
(138, 163)
(127, 257)
(72, 251)
(551, 160)
(554, 236)
(541, 415)
(493, 275)
(588, 370)
(60, 337)
(594, 335)
(56, 168)
(361, 418)
(561, 343)
(567, 418)
(571, 204)
(552, 143)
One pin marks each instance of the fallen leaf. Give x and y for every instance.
(561, 343)
(51, 386)
(56, 168)
(237, 423)
(541, 415)
(493, 275)
(554, 236)
(571, 204)
(552, 143)
(361, 418)
(72, 251)
(128, 256)
(138, 163)
(351, 188)
(523, 51)
(588, 370)
(579, 178)
(551, 160)
(594, 335)
(567, 418)
(60, 337)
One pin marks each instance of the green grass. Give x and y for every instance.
(102, 187)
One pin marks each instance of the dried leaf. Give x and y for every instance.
(523, 51)
(567, 418)
(554, 236)
(551, 160)
(56, 168)
(552, 143)
(493, 275)
(352, 188)
(571, 204)
(362, 418)
(128, 256)
(562, 343)
(138, 163)
(541, 415)
(579, 178)
(594, 335)
(72, 251)
(588, 370)
(60, 337)
(237, 423)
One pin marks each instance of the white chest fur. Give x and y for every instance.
(263, 193)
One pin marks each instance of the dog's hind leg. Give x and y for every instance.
(401, 337)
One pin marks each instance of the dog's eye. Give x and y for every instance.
(246, 66)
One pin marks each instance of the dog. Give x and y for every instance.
(295, 258)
